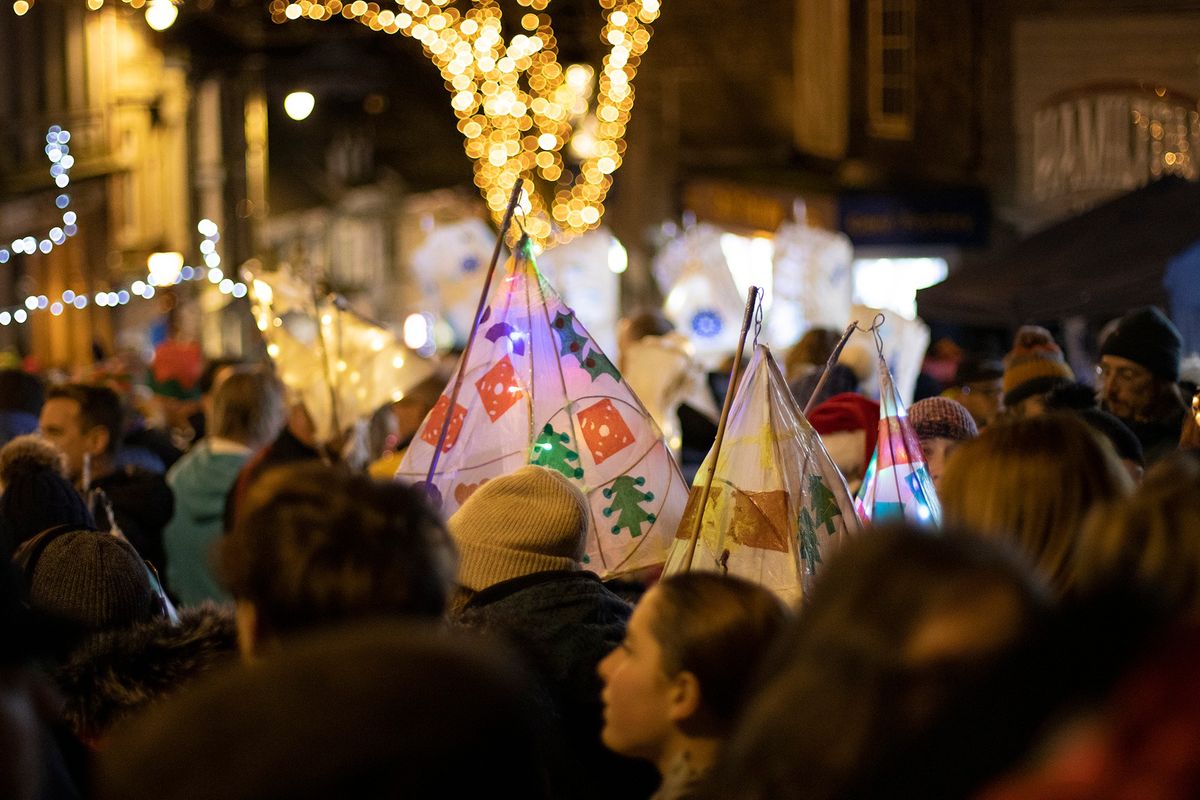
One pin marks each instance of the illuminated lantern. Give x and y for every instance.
(897, 485)
(341, 365)
(778, 504)
(539, 390)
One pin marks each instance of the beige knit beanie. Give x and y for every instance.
(533, 520)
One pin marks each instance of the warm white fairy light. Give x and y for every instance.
(59, 153)
(517, 106)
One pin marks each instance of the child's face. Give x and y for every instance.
(937, 449)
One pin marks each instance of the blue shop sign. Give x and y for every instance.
(944, 217)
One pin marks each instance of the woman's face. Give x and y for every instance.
(637, 694)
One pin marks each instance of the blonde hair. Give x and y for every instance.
(1150, 539)
(1032, 482)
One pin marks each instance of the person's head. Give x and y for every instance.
(1032, 482)
(979, 385)
(849, 427)
(684, 671)
(377, 710)
(839, 379)
(36, 491)
(86, 423)
(314, 544)
(813, 349)
(1034, 367)
(942, 425)
(411, 409)
(248, 407)
(1139, 364)
(85, 582)
(640, 324)
(901, 629)
(1148, 540)
(215, 371)
(532, 520)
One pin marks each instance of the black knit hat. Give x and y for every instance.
(92, 580)
(1145, 336)
(36, 494)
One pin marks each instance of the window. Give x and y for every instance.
(890, 82)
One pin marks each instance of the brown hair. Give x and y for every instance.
(718, 628)
(248, 407)
(814, 347)
(1032, 481)
(1150, 539)
(316, 544)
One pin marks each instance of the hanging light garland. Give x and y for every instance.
(517, 106)
(61, 162)
(142, 289)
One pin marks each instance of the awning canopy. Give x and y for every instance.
(1096, 265)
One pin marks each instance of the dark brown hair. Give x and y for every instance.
(315, 543)
(718, 628)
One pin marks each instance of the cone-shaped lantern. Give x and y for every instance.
(340, 364)
(778, 504)
(897, 485)
(538, 390)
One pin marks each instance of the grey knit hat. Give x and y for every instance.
(533, 520)
(90, 579)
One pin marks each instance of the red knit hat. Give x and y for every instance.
(846, 412)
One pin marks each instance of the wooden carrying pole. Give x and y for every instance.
(833, 357)
(751, 303)
(430, 490)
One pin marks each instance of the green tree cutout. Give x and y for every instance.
(627, 498)
(550, 450)
(597, 364)
(824, 509)
(571, 342)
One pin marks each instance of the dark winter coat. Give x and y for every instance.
(142, 504)
(119, 673)
(1159, 438)
(565, 622)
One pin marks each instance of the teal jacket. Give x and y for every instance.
(200, 480)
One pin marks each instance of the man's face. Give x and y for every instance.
(1126, 387)
(62, 425)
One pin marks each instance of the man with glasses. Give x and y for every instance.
(1138, 374)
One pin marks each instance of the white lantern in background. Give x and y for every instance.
(703, 300)
(813, 282)
(449, 265)
(583, 270)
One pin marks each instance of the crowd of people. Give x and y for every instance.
(214, 604)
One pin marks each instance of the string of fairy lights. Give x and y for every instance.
(164, 269)
(517, 106)
(58, 151)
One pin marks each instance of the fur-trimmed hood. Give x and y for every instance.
(119, 673)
